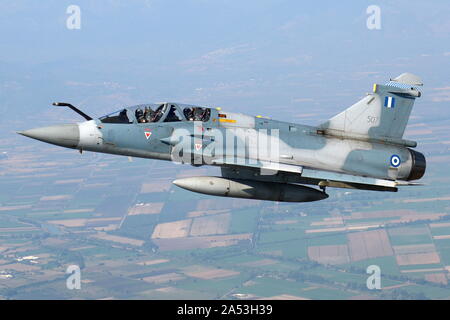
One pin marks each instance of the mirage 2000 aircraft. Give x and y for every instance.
(260, 158)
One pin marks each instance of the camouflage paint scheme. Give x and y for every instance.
(361, 147)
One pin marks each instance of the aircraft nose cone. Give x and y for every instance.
(65, 135)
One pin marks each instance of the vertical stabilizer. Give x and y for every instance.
(382, 114)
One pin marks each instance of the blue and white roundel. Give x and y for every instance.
(395, 161)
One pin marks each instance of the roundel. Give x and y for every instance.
(395, 161)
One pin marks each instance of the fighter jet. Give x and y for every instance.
(260, 158)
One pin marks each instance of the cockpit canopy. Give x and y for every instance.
(164, 112)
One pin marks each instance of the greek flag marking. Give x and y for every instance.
(389, 102)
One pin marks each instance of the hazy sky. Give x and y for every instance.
(241, 55)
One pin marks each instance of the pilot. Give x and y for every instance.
(148, 114)
(198, 114)
(139, 115)
(189, 114)
(206, 115)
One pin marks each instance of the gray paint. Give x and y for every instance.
(351, 150)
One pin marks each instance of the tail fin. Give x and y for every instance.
(382, 114)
